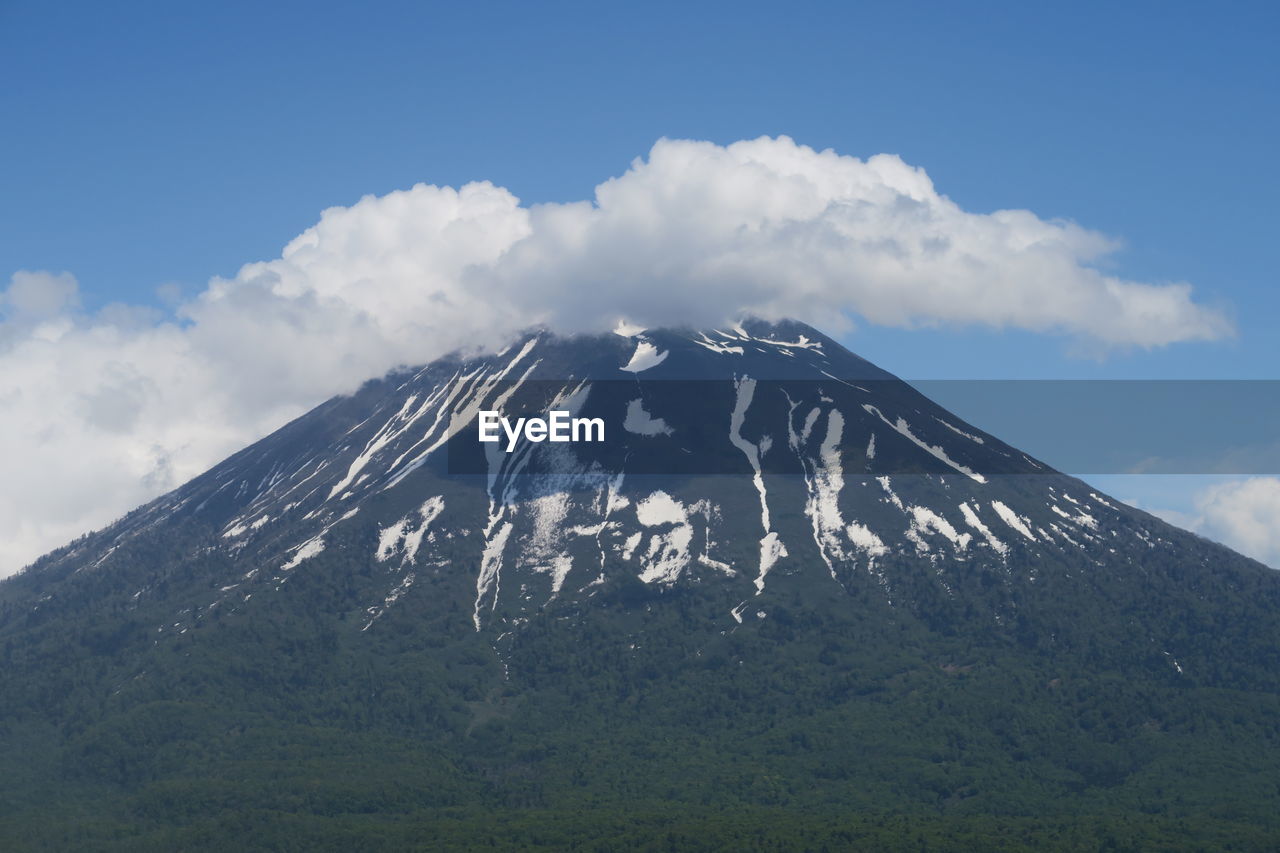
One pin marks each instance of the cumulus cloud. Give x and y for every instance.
(776, 229)
(100, 412)
(1244, 515)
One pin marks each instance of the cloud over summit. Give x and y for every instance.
(134, 403)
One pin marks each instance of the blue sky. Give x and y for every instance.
(154, 144)
(157, 143)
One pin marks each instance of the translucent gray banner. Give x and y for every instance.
(1081, 427)
(1140, 426)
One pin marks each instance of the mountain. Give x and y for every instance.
(785, 601)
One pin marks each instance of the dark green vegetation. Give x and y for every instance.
(835, 723)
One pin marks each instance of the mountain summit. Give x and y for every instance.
(782, 579)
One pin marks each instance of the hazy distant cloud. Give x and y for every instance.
(35, 296)
(101, 412)
(1244, 515)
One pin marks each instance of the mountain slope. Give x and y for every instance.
(784, 580)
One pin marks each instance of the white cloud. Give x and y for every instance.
(34, 297)
(1244, 515)
(101, 412)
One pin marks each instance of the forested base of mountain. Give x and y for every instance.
(627, 725)
(642, 827)
(1042, 716)
(307, 788)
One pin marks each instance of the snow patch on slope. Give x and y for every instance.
(491, 564)
(771, 547)
(959, 431)
(1082, 519)
(971, 518)
(1014, 520)
(646, 356)
(305, 551)
(925, 521)
(640, 422)
(717, 346)
(824, 481)
(904, 429)
(405, 536)
(670, 533)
